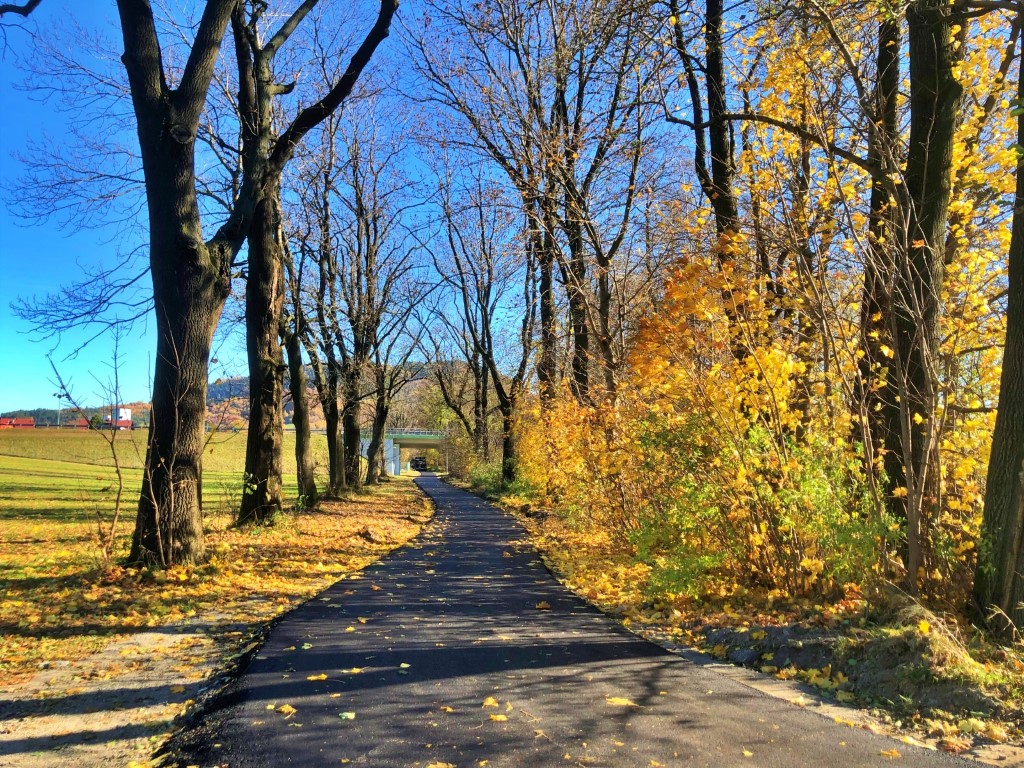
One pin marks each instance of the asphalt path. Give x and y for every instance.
(439, 656)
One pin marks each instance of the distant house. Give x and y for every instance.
(10, 422)
(123, 420)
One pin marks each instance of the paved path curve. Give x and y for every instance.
(417, 644)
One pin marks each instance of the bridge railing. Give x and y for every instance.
(411, 432)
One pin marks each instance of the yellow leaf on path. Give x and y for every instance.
(321, 676)
(447, 709)
(543, 605)
(893, 753)
(350, 629)
(747, 753)
(356, 670)
(177, 689)
(441, 765)
(287, 710)
(490, 701)
(618, 701)
(499, 718)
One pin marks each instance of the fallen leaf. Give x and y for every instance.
(490, 701)
(347, 715)
(747, 753)
(893, 753)
(499, 718)
(543, 605)
(321, 676)
(287, 710)
(618, 701)
(177, 689)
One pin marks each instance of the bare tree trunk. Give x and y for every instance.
(935, 96)
(308, 494)
(999, 578)
(262, 493)
(351, 433)
(480, 411)
(878, 404)
(191, 280)
(509, 460)
(373, 452)
(335, 448)
(188, 295)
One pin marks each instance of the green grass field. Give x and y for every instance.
(59, 600)
(57, 486)
(225, 451)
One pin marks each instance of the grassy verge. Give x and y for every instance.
(933, 676)
(58, 603)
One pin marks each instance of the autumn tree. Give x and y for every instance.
(266, 156)
(999, 577)
(555, 96)
(488, 280)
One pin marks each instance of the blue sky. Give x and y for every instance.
(37, 258)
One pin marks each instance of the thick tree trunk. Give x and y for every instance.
(935, 96)
(308, 495)
(262, 494)
(335, 446)
(191, 281)
(373, 452)
(189, 294)
(999, 579)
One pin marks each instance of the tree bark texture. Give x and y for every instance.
(351, 432)
(308, 494)
(191, 280)
(262, 492)
(509, 460)
(373, 452)
(879, 404)
(935, 97)
(999, 578)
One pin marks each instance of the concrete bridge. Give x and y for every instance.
(396, 439)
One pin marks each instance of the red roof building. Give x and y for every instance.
(9, 422)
